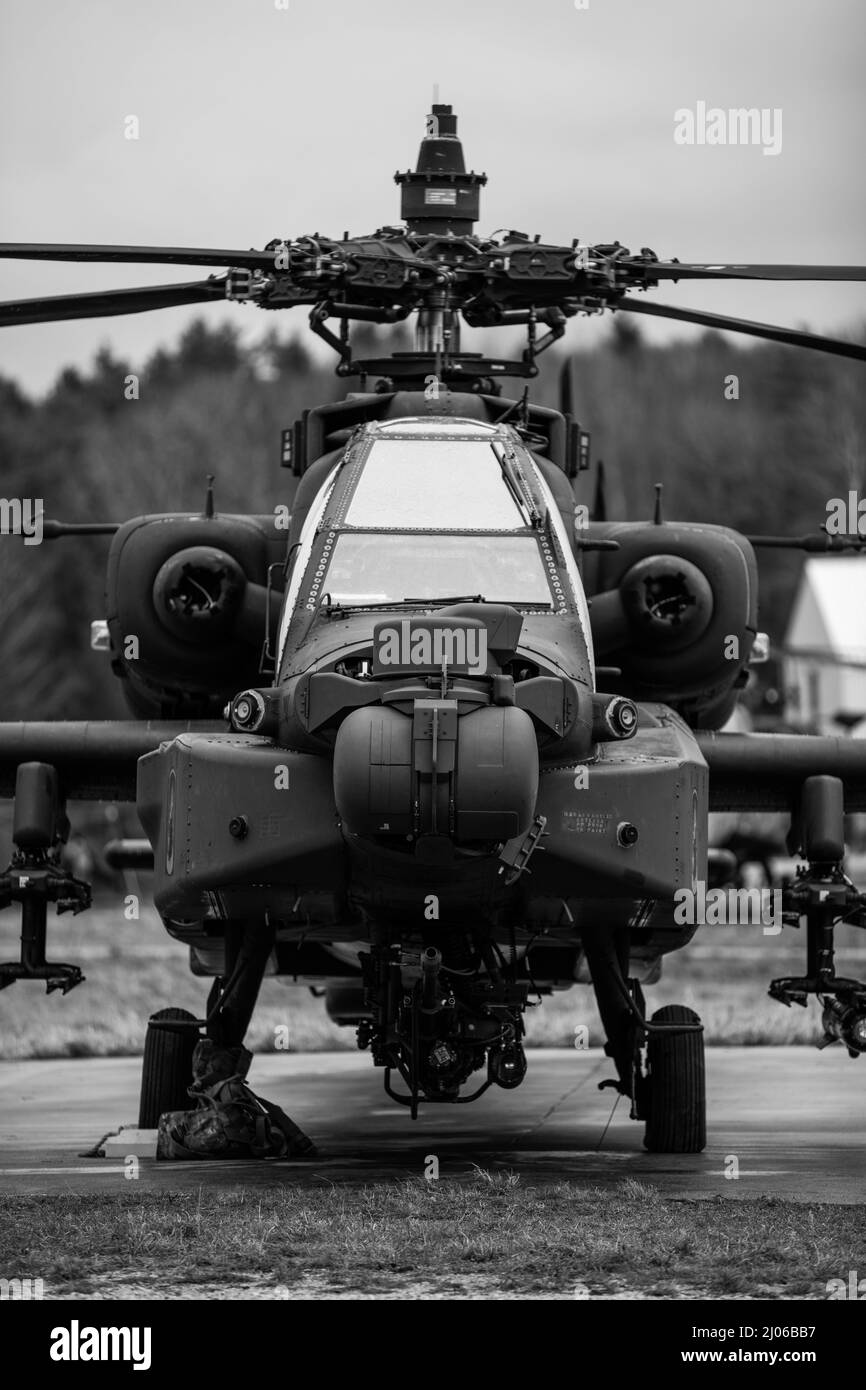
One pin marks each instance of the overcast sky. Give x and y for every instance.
(258, 122)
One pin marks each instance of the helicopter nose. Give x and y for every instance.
(473, 777)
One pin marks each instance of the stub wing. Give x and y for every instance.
(97, 760)
(764, 772)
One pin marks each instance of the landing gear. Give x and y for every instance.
(660, 1061)
(193, 1083)
(674, 1085)
(172, 1034)
(248, 947)
(166, 1072)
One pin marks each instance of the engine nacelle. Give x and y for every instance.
(186, 600)
(675, 607)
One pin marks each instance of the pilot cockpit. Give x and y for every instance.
(435, 510)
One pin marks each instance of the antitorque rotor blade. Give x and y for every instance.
(757, 330)
(135, 255)
(52, 308)
(689, 270)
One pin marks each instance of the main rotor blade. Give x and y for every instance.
(689, 270)
(757, 330)
(52, 308)
(135, 255)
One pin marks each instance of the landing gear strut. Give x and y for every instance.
(659, 1061)
(230, 1005)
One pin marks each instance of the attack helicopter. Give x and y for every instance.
(449, 740)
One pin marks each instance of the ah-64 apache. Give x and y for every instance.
(441, 746)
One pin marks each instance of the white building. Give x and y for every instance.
(825, 665)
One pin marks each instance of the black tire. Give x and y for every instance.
(166, 1071)
(676, 1087)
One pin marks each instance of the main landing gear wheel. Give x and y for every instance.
(166, 1072)
(675, 1092)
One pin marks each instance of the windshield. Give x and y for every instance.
(375, 568)
(434, 485)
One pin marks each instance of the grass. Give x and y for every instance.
(488, 1236)
(133, 968)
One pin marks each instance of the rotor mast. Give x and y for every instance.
(440, 199)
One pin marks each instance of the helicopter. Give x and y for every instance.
(440, 738)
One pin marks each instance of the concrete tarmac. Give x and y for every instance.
(790, 1121)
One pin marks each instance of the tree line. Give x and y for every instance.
(759, 438)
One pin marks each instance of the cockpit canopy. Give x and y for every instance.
(424, 511)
